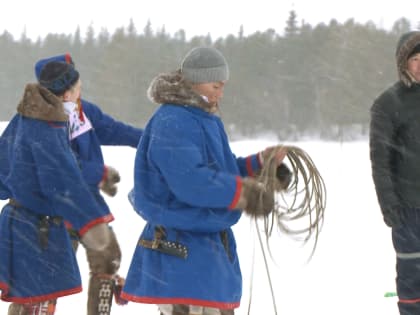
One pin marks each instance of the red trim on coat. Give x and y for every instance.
(106, 219)
(55, 125)
(105, 174)
(187, 301)
(249, 166)
(4, 288)
(409, 301)
(259, 159)
(40, 298)
(237, 193)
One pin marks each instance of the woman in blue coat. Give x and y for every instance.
(40, 177)
(90, 129)
(190, 187)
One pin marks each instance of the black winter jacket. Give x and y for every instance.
(395, 150)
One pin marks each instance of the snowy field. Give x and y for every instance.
(353, 265)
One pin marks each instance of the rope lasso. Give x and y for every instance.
(304, 198)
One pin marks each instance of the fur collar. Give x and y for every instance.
(39, 103)
(404, 49)
(172, 88)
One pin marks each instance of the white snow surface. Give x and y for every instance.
(353, 265)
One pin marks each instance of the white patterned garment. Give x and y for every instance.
(76, 126)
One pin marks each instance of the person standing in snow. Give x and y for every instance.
(90, 129)
(395, 155)
(191, 189)
(41, 178)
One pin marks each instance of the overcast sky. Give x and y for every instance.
(217, 17)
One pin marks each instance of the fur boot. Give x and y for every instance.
(103, 281)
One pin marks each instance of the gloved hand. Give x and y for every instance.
(255, 200)
(284, 177)
(97, 237)
(108, 183)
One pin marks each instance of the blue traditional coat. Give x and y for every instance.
(187, 180)
(39, 171)
(104, 131)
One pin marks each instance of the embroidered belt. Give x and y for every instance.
(161, 245)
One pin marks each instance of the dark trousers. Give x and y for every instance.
(406, 240)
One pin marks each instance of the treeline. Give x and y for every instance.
(310, 81)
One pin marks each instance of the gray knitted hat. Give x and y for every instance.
(204, 65)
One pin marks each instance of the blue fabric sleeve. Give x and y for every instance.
(109, 130)
(248, 165)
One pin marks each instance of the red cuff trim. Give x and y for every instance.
(249, 169)
(259, 157)
(39, 298)
(105, 174)
(187, 301)
(409, 301)
(106, 219)
(237, 193)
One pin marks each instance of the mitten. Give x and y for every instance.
(284, 177)
(255, 200)
(97, 237)
(108, 183)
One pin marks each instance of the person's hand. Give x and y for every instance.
(255, 200)
(277, 152)
(284, 177)
(108, 183)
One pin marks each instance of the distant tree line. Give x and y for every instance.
(310, 81)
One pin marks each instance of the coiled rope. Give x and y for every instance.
(299, 210)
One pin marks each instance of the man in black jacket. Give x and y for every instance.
(395, 158)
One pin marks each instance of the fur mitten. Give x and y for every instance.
(255, 200)
(108, 183)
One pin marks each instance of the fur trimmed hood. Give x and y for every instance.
(405, 46)
(172, 88)
(39, 103)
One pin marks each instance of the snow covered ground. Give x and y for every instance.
(353, 265)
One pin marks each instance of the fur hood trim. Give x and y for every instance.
(405, 46)
(172, 88)
(39, 103)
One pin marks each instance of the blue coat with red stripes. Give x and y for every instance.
(105, 131)
(188, 181)
(39, 171)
